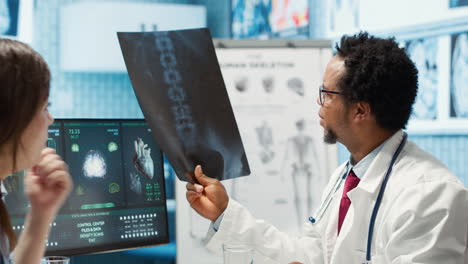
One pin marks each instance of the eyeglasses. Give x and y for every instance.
(322, 91)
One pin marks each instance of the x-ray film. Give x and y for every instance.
(179, 86)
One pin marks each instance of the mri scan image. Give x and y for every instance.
(424, 54)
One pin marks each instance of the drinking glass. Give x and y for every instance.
(237, 254)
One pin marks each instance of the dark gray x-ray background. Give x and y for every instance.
(214, 142)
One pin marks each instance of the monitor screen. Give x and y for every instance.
(118, 198)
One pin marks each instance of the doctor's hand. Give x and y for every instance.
(209, 198)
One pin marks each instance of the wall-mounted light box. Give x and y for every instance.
(88, 39)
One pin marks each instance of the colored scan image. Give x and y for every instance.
(458, 3)
(251, 18)
(93, 153)
(141, 154)
(9, 17)
(289, 14)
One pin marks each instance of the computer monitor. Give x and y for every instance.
(118, 199)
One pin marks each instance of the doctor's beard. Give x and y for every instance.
(330, 137)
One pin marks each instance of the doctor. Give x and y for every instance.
(390, 203)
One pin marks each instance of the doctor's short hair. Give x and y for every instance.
(380, 73)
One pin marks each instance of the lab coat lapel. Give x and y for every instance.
(351, 243)
(331, 231)
(373, 178)
(354, 231)
(328, 220)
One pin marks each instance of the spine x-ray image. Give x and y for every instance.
(178, 83)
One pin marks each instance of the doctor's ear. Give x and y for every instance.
(362, 111)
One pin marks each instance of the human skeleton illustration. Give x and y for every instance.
(301, 163)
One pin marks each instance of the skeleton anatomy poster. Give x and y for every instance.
(273, 92)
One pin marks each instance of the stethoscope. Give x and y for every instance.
(338, 184)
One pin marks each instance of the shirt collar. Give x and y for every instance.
(361, 167)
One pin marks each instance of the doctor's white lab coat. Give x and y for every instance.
(423, 218)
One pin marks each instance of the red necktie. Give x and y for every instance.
(351, 182)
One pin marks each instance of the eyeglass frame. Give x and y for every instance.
(322, 90)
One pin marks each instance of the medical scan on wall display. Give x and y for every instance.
(179, 86)
(424, 54)
(459, 76)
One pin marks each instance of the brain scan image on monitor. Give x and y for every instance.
(96, 167)
(118, 201)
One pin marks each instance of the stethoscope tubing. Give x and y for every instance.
(380, 196)
(375, 210)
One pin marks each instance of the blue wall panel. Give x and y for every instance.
(82, 95)
(452, 150)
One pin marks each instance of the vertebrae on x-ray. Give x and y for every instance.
(185, 126)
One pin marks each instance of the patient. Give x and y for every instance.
(24, 119)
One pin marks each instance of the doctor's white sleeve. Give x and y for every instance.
(240, 227)
(428, 224)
